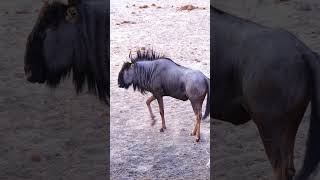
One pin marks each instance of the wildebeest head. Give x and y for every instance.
(69, 38)
(50, 45)
(125, 78)
(133, 74)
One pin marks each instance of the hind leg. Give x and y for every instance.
(148, 102)
(198, 119)
(161, 108)
(278, 137)
(272, 138)
(197, 111)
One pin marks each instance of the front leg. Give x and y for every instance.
(160, 101)
(148, 102)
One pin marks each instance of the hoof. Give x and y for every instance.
(197, 139)
(161, 130)
(164, 127)
(291, 172)
(153, 123)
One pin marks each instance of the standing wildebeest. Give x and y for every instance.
(270, 76)
(71, 38)
(163, 77)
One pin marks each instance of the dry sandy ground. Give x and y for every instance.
(139, 151)
(44, 134)
(238, 152)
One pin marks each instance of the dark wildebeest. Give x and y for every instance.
(71, 38)
(163, 77)
(270, 76)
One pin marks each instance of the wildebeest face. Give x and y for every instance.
(50, 45)
(126, 75)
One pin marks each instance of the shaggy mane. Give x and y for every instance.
(147, 55)
(143, 75)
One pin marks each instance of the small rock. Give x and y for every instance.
(144, 6)
(35, 157)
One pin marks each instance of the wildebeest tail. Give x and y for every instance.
(207, 112)
(312, 154)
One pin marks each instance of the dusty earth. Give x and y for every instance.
(44, 134)
(139, 151)
(238, 152)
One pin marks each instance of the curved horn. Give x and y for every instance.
(130, 56)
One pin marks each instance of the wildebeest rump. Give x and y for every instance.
(270, 76)
(149, 72)
(71, 38)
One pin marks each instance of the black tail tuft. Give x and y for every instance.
(207, 112)
(312, 155)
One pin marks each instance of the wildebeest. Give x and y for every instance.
(268, 75)
(71, 38)
(151, 72)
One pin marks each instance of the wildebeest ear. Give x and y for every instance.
(72, 15)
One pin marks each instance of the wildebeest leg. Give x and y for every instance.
(271, 140)
(161, 108)
(194, 131)
(197, 105)
(278, 138)
(148, 102)
(198, 116)
(290, 135)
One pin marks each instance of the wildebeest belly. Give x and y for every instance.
(231, 110)
(178, 92)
